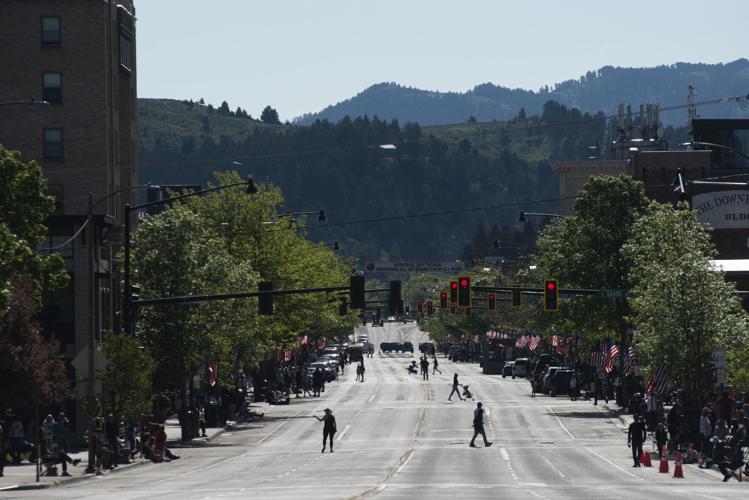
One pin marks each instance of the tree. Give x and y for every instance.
(127, 377)
(27, 357)
(585, 251)
(683, 307)
(224, 109)
(269, 115)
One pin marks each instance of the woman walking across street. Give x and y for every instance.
(455, 390)
(435, 365)
(329, 428)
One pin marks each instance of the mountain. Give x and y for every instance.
(600, 90)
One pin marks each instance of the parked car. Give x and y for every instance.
(507, 368)
(457, 353)
(560, 382)
(397, 346)
(546, 378)
(520, 368)
(426, 347)
(407, 347)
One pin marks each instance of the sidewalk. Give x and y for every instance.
(23, 477)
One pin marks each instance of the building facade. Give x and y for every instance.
(79, 57)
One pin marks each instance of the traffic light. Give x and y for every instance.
(343, 307)
(134, 294)
(394, 301)
(517, 298)
(419, 307)
(356, 291)
(265, 300)
(453, 292)
(430, 308)
(464, 291)
(551, 295)
(491, 301)
(443, 300)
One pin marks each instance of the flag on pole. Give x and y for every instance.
(533, 342)
(579, 342)
(288, 355)
(212, 375)
(660, 381)
(613, 352)
(629, 360)
(305, 339)
(554, 340)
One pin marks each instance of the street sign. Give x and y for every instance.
(80, 362)
(613, 294)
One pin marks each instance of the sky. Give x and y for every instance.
(300, 56)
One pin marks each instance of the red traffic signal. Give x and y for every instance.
(464, 291)
(453, 292)
(492, 301)
(443, 300)
(551, 295)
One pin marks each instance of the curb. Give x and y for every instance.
(88, 476)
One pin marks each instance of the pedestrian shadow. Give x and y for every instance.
(580, 414)
(199, 444)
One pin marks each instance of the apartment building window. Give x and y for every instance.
(52, 87)
(126, 25)
(53, 143)
(51, 30)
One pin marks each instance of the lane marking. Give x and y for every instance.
(405, 462)
(274, 430)
(613, 464)
(345, 430)
(372, 398)
(548, 462)
(503, 453)
(561, 424)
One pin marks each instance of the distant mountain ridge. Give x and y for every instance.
(597, 90)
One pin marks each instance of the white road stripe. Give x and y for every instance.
(548, 462)
(405, 462)
(560, 423)
(372, 398)
(345, 430)
(503, 453)
(613, 464)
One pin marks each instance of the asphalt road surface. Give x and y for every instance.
(399, 437)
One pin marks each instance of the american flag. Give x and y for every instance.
(521, 341)
(629, 360)
(612, 353)
(321, 343)
(596, 359)
(287, 356)
(533, 343)
(659, 380)
(563, 347)
(554, 340)
(305, 339)
(579, 342)
(212, 375)
(234, 373)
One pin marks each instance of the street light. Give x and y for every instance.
(25, 102)
(524, 214)
(713, 145)
(251, 189)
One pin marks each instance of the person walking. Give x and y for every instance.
(573, 388)
(636, 435)
(478, 426)
(329, 428)
(424, 368)
(594, 390)
(316, 382)
(15, 436)
(111, 431)
(706, 431)
(362, 369)
(455, 390)
(435, 367)
(661, 438)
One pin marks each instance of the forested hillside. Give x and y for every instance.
(600, 90)
(381, 204)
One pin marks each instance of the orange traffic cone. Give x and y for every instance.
(677, 466)
(645, 459)
(664, 461)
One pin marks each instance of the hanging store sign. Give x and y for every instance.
(723, 209)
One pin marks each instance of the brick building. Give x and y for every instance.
(79, 56)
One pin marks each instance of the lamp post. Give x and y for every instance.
(126, 309)
(714, 145)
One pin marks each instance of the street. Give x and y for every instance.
(399, 436)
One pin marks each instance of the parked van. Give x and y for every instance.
(520, 368)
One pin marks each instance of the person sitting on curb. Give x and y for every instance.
(57, 456)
